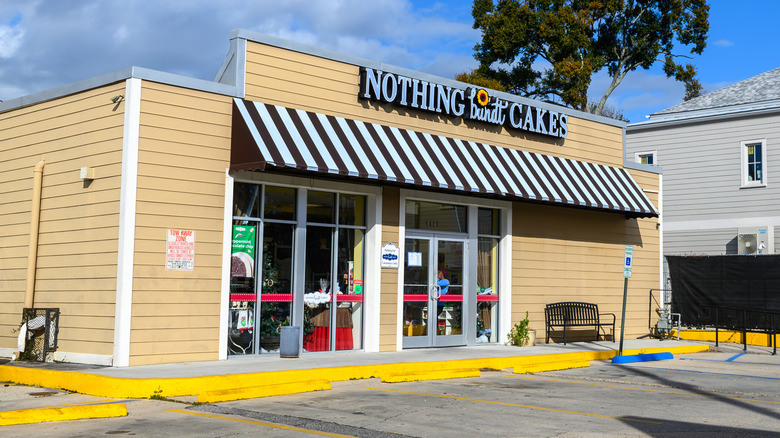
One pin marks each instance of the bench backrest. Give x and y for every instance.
(572, 312)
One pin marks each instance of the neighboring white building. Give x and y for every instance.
(719, 154)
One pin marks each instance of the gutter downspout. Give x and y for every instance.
(32, 255)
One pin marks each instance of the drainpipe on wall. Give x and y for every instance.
(32, 255)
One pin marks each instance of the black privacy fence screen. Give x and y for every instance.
(732, 291)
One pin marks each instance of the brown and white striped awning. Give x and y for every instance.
(270, 135)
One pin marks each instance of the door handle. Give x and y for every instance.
(435, 292)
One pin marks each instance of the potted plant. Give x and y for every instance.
(521, 334)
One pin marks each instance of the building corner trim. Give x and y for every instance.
(241, 68)
(127, 212)
(226, 252)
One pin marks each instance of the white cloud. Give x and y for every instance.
(121, 34)
(68, 41)
(448, 65)
(10, 40)
(10, 90)
(11, 34)
(47, 43)
(641, 92)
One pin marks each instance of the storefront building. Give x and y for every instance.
(375, 208)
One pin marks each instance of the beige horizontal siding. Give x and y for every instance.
(184, 151)
(562, 254)
(388, 296)
(280, 77)
(76, 269)
(555, 256)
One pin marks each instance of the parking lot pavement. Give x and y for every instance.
(710, 371)
(667, 397)
(725, 393)
(26, 397)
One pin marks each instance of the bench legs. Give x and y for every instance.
(598, 331)
(547, 337)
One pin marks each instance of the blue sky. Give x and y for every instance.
(47, 43)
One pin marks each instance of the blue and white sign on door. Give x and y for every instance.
(390, 256)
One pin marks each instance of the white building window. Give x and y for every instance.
(645, 157)
(753, 163)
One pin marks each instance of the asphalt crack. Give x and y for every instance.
(300, 422)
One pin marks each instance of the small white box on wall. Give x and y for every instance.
(87, 173)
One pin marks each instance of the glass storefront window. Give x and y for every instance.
(242, 287)
(352, 210)
(487, 275)
(487, 290)
(279, 203)
(349, 290)
(246, 200)
(259, 307)
(276, 286)
(487, 221)
(318, 295)
(320, 207)
(421, 215)
(263, 261)
(324, 294)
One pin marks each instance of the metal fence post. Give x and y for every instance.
(744, 330)
(716, 326)
(773, 332)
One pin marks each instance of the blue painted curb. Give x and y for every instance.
(642, 357)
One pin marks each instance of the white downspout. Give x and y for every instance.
(35, 219)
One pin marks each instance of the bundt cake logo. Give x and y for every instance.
(242, 261)
(483, 99)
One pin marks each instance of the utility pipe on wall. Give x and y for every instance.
(32, 254)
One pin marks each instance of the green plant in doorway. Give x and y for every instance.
(519, 334)
(271, 320)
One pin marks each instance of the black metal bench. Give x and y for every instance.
(575, 314)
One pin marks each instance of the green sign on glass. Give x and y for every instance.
(243, 254)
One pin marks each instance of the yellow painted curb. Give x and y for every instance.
(116, 387)
(727, 336)
(555, 362)
(430, 375)
(674, 350)
(263, 391)
(28, 416)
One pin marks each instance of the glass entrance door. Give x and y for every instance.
(434, 275)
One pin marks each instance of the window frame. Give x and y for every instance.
(744, 164)
(638, 157)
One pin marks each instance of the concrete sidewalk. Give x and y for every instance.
(267, 375)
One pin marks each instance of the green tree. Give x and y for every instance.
(475, 78)
(550, 49)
